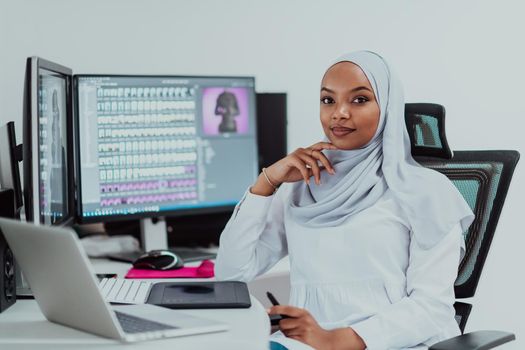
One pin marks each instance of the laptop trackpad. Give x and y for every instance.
(200, 295)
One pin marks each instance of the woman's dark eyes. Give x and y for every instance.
(358, 100)
(326, 100)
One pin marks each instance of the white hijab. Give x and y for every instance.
(430, 201)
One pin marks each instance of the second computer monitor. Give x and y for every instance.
(48, 141)
(163, 145)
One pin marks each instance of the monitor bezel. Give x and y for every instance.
(144, 215)
(9, 168)
(30, 144)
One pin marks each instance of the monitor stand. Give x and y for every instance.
(153, 232)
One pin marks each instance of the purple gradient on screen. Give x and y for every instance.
(211, 121)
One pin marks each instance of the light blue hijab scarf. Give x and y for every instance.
(430, 201)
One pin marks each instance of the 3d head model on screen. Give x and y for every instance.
(228, 108)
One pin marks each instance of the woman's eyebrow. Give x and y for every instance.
(324, 88)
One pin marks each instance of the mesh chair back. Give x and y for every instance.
(482, 177)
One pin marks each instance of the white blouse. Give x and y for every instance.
(368, 273)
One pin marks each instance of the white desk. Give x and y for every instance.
(23, 326)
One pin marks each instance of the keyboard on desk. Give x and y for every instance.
(125, 291)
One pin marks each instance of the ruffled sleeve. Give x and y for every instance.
(253, 240)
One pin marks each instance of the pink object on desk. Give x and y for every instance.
(204, 270)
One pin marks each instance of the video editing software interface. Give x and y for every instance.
(154, 144)
(52, 141)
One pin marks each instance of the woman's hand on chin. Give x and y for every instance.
(302, 164)
(299, 165)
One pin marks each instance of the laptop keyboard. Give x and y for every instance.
(124, 291)
(132, 324)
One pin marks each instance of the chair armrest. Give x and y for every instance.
(480, 340)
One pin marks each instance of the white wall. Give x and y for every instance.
(467, 55)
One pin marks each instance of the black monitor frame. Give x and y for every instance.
(30, 143)
(9, 169)
(143, 215)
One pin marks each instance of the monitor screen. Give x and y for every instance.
(52, 145)
(163, 145)
(46, 143)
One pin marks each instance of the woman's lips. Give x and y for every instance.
(341, 131)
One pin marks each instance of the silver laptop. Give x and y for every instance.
(65, 287)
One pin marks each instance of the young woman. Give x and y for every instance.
(374, 239)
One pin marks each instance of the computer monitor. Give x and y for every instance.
(47, 143)
(156, 146)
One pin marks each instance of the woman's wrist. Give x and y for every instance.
(265, 184)
(262, 187)
(270, 182)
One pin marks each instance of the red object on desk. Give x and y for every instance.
(204, 270)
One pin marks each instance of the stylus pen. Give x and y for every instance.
(275, 303)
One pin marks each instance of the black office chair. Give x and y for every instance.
(483, 178)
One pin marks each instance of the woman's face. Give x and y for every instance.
(349, 110)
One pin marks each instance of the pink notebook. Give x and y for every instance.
(204, 270)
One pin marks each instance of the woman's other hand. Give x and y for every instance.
(301, 326)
